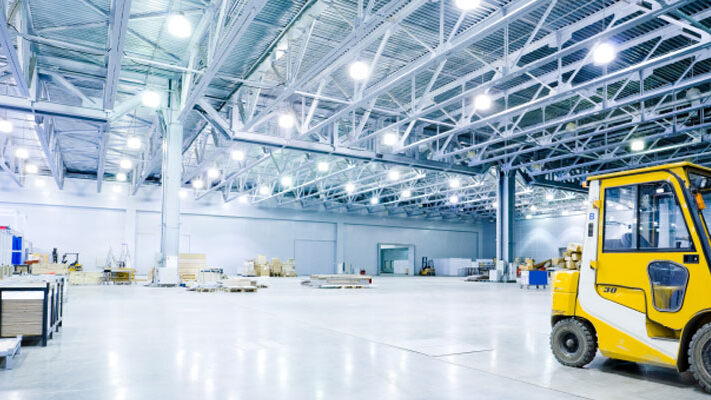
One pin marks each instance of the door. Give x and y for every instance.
(646, 249)
(396, 259)
(315, 256)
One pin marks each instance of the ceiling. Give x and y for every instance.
(74, 74)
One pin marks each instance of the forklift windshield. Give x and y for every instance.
(700, 185)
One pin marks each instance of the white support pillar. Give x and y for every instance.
(505, 213)
(171, 182)
(339, 246)
(129, 232)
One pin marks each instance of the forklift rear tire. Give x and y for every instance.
(700, 356)
(573, 342)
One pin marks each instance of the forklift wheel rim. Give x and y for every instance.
(569, 343)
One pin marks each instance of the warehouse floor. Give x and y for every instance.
(408, 338)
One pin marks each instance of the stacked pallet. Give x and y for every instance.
(339, 281)
(226, 285)
(189, 265)
(239, 285)
(46, 269)
(86, 277)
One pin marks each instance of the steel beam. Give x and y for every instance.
(493, 22)
(118, 24)
(45, 132)
(218, 122)
(11, 57)
(235, 31)
(46, 108)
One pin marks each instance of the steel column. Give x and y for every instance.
(171, 182)
(505, 213)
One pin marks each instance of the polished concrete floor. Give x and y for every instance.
(407, 338)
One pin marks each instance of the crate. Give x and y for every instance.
(32, 308)
(189, 265)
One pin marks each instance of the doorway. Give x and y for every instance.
(396, 259)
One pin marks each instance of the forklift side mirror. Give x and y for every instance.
(700, 201)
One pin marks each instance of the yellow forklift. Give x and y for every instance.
(427, 267)
(643, 291)
(74, 265)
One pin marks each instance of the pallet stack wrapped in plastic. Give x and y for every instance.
(288, 268)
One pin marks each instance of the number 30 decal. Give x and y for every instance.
(609, 289)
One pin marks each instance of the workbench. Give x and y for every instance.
(119, 276)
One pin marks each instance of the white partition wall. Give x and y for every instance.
(78, 219)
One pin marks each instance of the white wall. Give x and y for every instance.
(540, 238)
(78, 219)
(70, 228)
(436, 242)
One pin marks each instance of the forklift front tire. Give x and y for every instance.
(700, 356)
(573, 342)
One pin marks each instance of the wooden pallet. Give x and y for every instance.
(239, 289)
(339, 281)
(206, 290)
(343, 286)
(231, 289)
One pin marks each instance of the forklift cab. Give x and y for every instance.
(642, 293)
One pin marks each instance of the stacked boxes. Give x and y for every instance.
(573, 256)
(528, 265)
(288, 268)
(248, 269)
(275, 268)
(261, 267)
